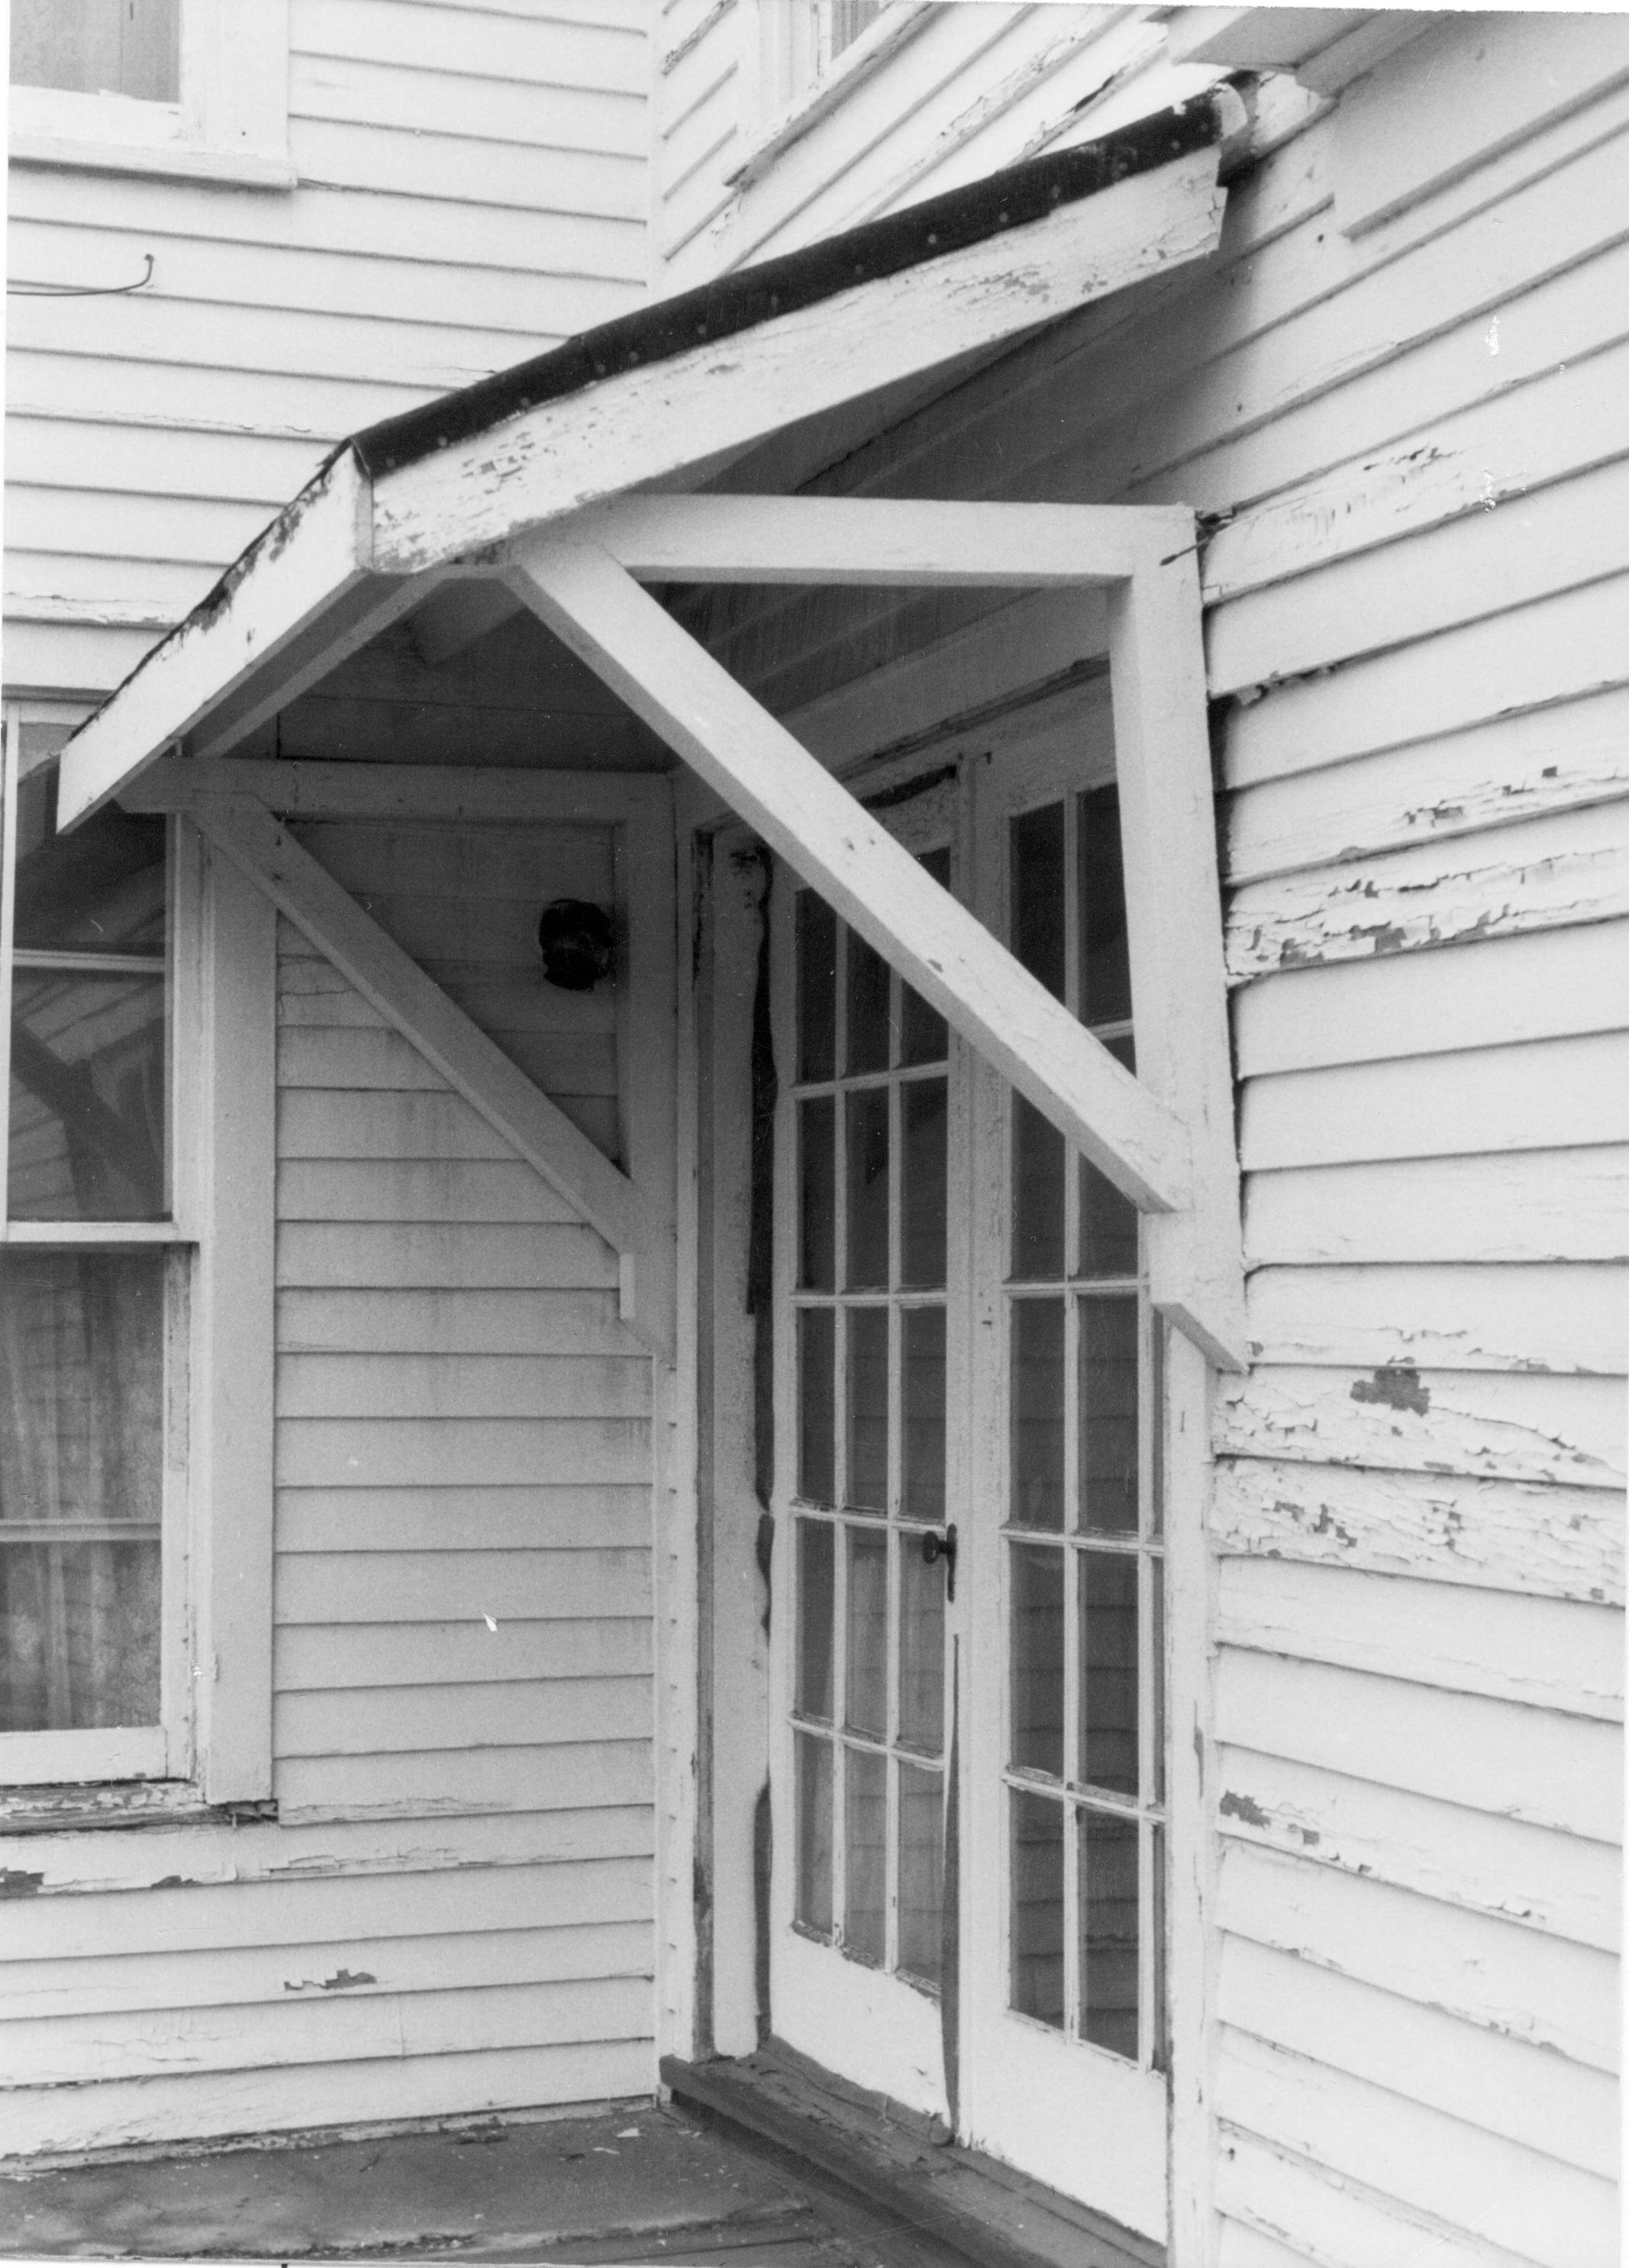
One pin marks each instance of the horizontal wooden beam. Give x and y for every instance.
(870, 540)
(644, 424)
(291, 576)
(813, 821)
(246, 832)
(298, 788)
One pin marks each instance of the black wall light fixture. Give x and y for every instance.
(578, 944)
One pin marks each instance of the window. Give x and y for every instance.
(813, 51)
(191, 88)
(112, 1246)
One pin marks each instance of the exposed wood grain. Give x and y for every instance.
(416, 1189)
(400, 1451)
(1572, 867)
(1445, 1318)
(1492, 775)
(1560, 1884)
(312, 1659)
(1541, 1095)
(1552, 1654)
(1501, 1535)
(558, 1515)
(1533, 1206)
(441, 1321)
(461, 1386)
(1493, 994)
(463, 1254)
(1494, 2189)
(407, 1785)
(380, 1721)
(296, 2097)
(1526, 1427)
(433, 1587)
(1500, 2086)
(1517, 1762)
(323, 1124)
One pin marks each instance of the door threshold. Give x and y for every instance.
(984, 2211)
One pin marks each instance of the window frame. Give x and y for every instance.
(798, 83)
(213, 1740)
(231, 124)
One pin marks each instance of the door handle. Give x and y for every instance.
(936, 1547)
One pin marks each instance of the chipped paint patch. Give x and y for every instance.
(342, 1980)
(16, 1883)
(1398, 1385)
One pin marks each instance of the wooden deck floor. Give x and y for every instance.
(641, 2186)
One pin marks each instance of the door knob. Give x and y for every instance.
(936, 1547)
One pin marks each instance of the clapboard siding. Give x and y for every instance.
(455, 1908)
(471, 190)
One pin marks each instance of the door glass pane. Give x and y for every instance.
(1037, 1918)
(814, 1833)
(1108, 1747)
(1156, 1647)
(1037, 1394)
(817, 1581)
(817, 1415)
(81, 1486)
(817, 1195)
(1109, 1333)
(1038, 1195)
(1105, 967)
(864, 1825)
(921, 1872)
(1109, 1915)
(868, 1007)
(1108, 1221)
(1035, 1639)
(866, 1704)
(1038, 914)
(921, 1648)
(868, 1116)
(924, 1037)
(817, 987)
(924, 1121)
(868, 1408)
(923, 1396)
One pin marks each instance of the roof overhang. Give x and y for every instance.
(659, 399)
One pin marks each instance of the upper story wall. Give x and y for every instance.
(470, 188)
(757, 151)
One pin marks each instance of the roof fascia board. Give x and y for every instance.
(305, 561)
(647, 423)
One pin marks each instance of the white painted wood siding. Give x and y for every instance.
(1416, 623)
(472, 189)
(455, 1911)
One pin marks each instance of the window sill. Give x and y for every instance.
(122, 1803)
(876, 45)
(242, 168)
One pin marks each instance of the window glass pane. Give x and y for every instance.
(817, 1195)
(817, 1414)
(1105, 967)
(1108, 1221)
(921, 1648)
(921, 1872)
(814, 1832)
(816, 1577)
(1038, 932)
(817, 987)
(1038, 1195)
(88, 1056)
(1037, 1925)
(865, 1835)
(1109, 1914)
(1035, 1639)
(1156, 1647)
(1108, 1334)
(849, 18)
(867, 1149)
(868, 1007)
(94, 47)
(925, 1037)
(868, 1408)
(81, 1482)
(1038, 1400)
(922, 1392)
(867, 1705)
(1108, 1746)
(923, 1126)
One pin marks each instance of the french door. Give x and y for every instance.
(969, 1584)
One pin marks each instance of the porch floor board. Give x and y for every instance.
(587, 2191)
